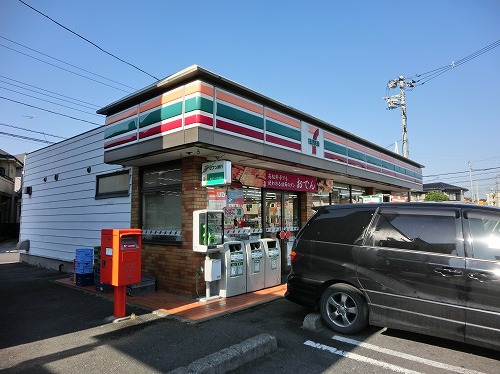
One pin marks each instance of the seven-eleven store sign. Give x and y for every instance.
(312, 143)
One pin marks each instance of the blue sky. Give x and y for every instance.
(330, 59)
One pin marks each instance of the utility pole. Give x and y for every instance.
(470, 178)
(395, 101)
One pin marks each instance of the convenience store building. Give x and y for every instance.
(275, 163)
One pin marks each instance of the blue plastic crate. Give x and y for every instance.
(84, 279)
(80, 258)
(84, 267)
(84, 254)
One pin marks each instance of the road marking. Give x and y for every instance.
(456, 369)
(360, 358)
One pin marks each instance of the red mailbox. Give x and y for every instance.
(121, 256)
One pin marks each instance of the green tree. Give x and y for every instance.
(436, 196)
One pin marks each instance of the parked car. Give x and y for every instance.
(430, 268)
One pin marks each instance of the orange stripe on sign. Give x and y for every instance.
(199, 86)
(356, 146)
(334, 138)
(240, 102)
(162, 99)
(282, 118)
(122, 115)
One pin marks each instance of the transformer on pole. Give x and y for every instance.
(395, 101)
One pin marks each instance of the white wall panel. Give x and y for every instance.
(63, 215)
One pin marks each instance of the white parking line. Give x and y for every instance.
(456, 369)
(360, 358)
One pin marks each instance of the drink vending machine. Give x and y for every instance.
(234, 277)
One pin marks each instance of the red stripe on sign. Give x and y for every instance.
(161, 128)
(373, 168)
(199, 118)
(223, 125)
(335, 157)
(283, 142)
(120, 141)
(356, 163)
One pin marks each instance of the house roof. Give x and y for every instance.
(6, 156)
(443, 187)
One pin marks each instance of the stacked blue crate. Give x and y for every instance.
(84, 267)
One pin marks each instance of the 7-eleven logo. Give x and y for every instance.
(314, 140)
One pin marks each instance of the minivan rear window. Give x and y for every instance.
(343, 226)
(412, 230)
(485, 235)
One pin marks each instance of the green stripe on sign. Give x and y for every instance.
(356, 154)
(160, 114)
(279, 129)
(335, 148)
(117, 129)
(199, 103)
(240, 116)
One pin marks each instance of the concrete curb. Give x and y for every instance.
(233, 357)
(313, 322)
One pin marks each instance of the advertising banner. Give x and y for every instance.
(253, 177)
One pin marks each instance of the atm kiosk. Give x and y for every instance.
(256, 263)
(272, 270)
(234, 265)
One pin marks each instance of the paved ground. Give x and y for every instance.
(46, 327)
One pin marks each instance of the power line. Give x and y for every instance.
(54, 97)
(460, 172)
(34, 131)
(50, 111)
(95, 45)
(67, 63)
(51, 102)
(39, 88)
(425, 77)
(26, 138)
(59, 67)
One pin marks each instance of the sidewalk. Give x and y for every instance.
(190, 310)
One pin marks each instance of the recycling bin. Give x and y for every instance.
(272, 269)
(256, 263)
(234, 278)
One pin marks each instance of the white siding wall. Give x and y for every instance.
(63, 215)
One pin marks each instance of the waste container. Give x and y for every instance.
(272, 270)
(255, 265)
(234, 270)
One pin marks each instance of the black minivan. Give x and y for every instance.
(430, 268)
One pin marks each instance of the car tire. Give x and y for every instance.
(344, 309)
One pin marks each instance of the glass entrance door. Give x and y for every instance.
(282, 221)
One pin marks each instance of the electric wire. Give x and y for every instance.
(50, 111)
(33, 131)
(67, 63)
(432, 74)
(26, 138)
(52, 92)
(51, 102)
(67, 70)
(81, 37)
(40, 93)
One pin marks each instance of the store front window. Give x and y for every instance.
(162, 203)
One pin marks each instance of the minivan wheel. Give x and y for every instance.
(344, 309)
